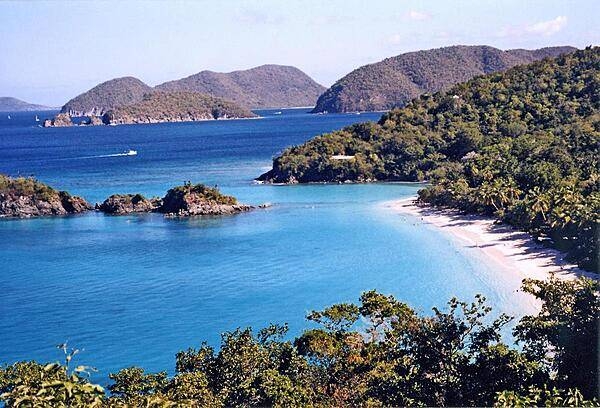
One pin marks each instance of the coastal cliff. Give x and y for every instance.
(25, 197)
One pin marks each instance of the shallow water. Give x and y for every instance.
(134, 290)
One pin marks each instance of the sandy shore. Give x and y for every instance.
(514, 251)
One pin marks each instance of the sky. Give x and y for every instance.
(53, 51)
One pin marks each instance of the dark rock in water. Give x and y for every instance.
(93, 121)
(119, 204)
(26, 197)
(189, 200)
(60, 120)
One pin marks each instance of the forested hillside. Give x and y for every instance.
(523, 145)
(266, 86)
(394, 81)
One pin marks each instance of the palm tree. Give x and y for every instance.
(540, 201)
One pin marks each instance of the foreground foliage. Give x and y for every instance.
(523, 145)
(379, 352)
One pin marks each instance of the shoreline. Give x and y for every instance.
(510, 250)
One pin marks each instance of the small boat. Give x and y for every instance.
(277, 113)
(131, 152)
(9, 116)
(36, 118)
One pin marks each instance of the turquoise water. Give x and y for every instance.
(134, 290)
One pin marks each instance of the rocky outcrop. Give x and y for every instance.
(191, 200)
(60, 120)
(93, 121)
(26, 197)
(182, 201)
(120, 204)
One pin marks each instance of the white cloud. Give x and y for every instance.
(395, 39)
(418, 15)
(547, 27)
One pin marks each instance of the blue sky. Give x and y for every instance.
(52, 51)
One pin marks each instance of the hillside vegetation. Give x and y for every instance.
(261, 87)
(523, 145)
(180, 106)
(394, 81)
(379, 352)
(106, 96)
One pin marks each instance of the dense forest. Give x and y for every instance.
(523, 145)
(379, 352)
(394, 81)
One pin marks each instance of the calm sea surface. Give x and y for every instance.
(134, 290)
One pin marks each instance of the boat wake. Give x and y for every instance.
(127, 153)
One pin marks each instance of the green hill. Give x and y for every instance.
(394, 81)
(523, 145)
(179, 106)
(260, 87)
(106, 96)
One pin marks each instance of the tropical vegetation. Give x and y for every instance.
(379, 352)
(523, 145)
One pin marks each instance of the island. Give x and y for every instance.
(177, 106)
(10, 104)
(23, 197)
(181, 201)
(266, 86)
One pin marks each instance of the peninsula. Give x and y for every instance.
(498, 145)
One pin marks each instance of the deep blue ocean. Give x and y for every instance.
(134, 290)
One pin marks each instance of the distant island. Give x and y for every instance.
(179, 106)
(521, 145)
(10, 104)
(394, 81)
(203, 96)
(266, 86)
(260, 87)
(24, 197)
(153, 107)
(106, 96)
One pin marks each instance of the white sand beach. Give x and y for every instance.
(511, 250)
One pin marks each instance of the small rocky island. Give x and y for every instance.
(161, 107)
(26, 197)
(181, 201)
